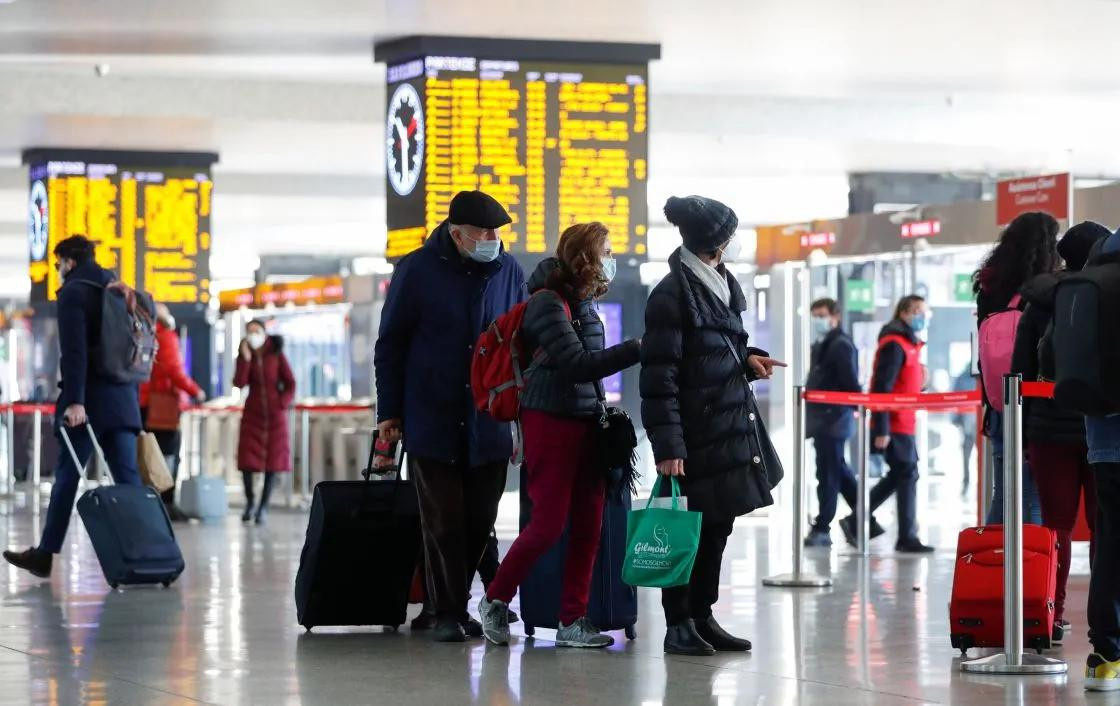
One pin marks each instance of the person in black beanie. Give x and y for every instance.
(698, 408)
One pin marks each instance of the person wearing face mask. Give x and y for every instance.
(442, 296)
(263, 444)
(834, 366)
(698, 410)
(562, 401)
(898, 370)
(85, 396)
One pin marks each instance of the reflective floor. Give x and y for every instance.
(226, 633)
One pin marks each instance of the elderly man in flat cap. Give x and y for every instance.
(441, 298)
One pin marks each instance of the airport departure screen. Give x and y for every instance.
(556, 143)
(150, 226)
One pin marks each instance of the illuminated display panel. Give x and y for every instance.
(556, 142)
(151, 224)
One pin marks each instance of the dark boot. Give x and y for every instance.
(247, 478)
(35, 561)
(471, 627)
(425, 621)
(682, 639)
(266, 494)
(719, 638)
(448, 630)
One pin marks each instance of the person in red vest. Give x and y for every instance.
(898, 370)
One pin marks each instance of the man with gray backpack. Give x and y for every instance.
(106, 350)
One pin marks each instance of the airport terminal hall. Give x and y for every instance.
(635, 352)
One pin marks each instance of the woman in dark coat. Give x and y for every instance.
(560, 408)
(697, 407)
(263, 446)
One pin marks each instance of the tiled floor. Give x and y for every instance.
(226, 633)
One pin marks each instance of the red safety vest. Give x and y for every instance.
(908, 382)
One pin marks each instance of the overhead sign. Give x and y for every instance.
(859, 296)
(316, 290)
(1049, 193)
(962, 288)
(920, 229)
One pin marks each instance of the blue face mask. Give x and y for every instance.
(485, 250)
(820, 326)
(610, 269)
(918, 323)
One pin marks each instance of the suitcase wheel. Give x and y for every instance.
(114, 586)
(631, 633)
(166, 584)
(307, 628)
(530, 630)
(392, 628)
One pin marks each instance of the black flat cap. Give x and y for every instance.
(474, 208)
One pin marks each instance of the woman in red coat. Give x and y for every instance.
(263, 446)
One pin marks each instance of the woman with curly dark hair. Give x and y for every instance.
(1027, 248)
(560, 406)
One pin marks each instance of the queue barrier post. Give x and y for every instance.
(9, 451)
(305, 455)
(863, 501)
(1013, 660)
(798, 578)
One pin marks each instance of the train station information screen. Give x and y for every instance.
(149, 215)
(556, 139)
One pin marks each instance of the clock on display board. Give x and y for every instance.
(37, 231)
(404, 139)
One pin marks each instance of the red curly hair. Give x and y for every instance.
(579, 275)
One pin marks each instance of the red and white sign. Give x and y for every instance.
(921, 229)
(818, 240)
(1048, 193)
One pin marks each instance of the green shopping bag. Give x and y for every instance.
(661, 544)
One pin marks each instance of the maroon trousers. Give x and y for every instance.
(1063, 474)
(566, 489)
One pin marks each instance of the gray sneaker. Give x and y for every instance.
(495, 620)
(582, 633)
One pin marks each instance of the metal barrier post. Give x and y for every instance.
(863, 502)
(37, 456)
(305, 457)
(9, 452)
(1013, 660)
(798, 579)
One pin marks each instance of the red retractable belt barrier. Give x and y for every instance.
(884, 402)
(27, 408)
(1043, 390)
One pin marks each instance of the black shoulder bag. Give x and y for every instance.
(615, 442)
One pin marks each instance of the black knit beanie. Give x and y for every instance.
(705, 224)
(1075, 245)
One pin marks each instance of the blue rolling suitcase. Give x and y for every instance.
(613, 605)
(130, 530)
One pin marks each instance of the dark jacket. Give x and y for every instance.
(1045, 421)
(890, 361)
(695, 399)
(263, 443)
(438, 304)
(109, 405)
(568, 380)
(834, 366)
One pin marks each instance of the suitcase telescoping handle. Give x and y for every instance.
(398, 459)
(73, 454)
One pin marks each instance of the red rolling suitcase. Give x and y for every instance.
(976, 610)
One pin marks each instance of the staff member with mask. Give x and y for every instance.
(898, 370)
(834, 366)
(441, 298)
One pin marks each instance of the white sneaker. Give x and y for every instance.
(582, 633)
(495, 621)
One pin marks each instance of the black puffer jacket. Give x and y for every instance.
(1045, 421)
(565, 382)
(695, 400)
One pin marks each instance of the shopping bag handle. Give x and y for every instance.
(78, 466)
(676, 490)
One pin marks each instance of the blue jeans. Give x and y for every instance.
(120, 453)
(1032, 508)
(834, 478)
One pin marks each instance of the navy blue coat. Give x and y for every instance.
(438, 304)
(109, 405)
(834, 367)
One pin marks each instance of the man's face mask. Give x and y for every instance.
(482, 250)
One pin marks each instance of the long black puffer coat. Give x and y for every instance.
(695, 399)
(565, 381)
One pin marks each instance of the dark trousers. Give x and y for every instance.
(170, 443)
(902, 481)
(968, 443)
(695, 599)
(266, 488)
(119, 446)
(1104, 586)
(834, 478)
(1062, 473)
(490, 561)
(458, 506)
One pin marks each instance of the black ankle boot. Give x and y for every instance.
(262, 515)
(247, 516)
(448, 630)
(34, 560)
(683, 639)
(719, 638)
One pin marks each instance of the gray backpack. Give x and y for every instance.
(126, 344)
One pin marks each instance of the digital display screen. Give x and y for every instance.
(556, 143)
(611, 314)
(151, 226)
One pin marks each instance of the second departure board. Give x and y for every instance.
(556, 143)
(150, 225)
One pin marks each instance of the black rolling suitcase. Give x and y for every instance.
(613, 605)
(129, 529)
(363, 541)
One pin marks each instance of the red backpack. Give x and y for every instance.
(498, 370)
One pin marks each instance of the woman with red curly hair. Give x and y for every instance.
(560, 406)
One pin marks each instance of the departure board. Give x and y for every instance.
(556, 142)
(150, 225)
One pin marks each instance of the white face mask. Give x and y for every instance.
(256, 340)
(610, 269)
(732, 250)
(484, 250)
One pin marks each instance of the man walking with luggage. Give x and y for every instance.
(86, 397)
(834, 367)
(441, 298)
